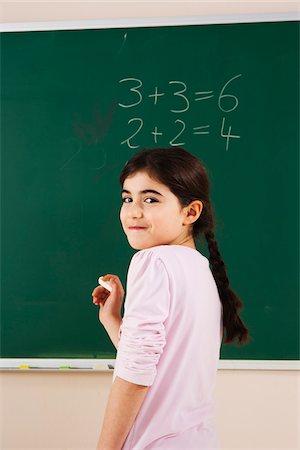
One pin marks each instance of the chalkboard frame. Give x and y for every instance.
(107, 365)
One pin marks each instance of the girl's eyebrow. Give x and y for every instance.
(145, 191)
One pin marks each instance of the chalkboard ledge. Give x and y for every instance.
(107, 365)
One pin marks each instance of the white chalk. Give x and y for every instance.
(105, 284)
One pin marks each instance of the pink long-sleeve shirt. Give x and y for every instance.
(170, 339)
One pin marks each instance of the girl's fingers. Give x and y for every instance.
(99, 301)
(114, 278)
(107, 276)
(99, 290)
(100, 294)
(99, 297)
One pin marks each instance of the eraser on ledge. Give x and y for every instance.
(105, 284)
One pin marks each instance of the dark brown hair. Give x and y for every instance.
(187, 178)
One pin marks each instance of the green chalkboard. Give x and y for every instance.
(76, 105)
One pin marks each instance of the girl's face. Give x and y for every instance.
(152, 215)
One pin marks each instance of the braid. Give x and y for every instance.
(232, 304)
(216, 261)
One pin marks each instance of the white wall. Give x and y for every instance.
(19, 11)
(255, 409)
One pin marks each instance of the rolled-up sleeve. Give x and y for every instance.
(142, 332)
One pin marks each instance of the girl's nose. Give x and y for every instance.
(136, 211)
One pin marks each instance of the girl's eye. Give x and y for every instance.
(125, 198)
(150, 198)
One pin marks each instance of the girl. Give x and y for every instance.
(176, 307)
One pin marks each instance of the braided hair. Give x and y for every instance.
(186, 176)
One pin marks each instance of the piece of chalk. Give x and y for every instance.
(105, 284)
(24, 367)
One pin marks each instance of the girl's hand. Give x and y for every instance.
(110, 302)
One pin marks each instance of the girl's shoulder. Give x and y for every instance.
(146, 254)
(168, 253)
(164, 261)
(153, 252)
(147, 264)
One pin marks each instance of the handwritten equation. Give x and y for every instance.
(180, 101)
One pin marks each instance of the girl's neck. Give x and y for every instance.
(188, 242)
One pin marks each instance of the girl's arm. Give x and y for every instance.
(112, 326)
(124, 402)
(125, 398)
(110, 306)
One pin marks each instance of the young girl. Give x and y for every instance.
(176, 308)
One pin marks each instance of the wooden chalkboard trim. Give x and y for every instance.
(148, 22)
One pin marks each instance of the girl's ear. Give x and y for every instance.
(193, 211)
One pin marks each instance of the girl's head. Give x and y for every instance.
(151, 206)
(178, 212)
(172, 215)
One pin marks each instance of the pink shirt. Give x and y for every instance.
(170, 339)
